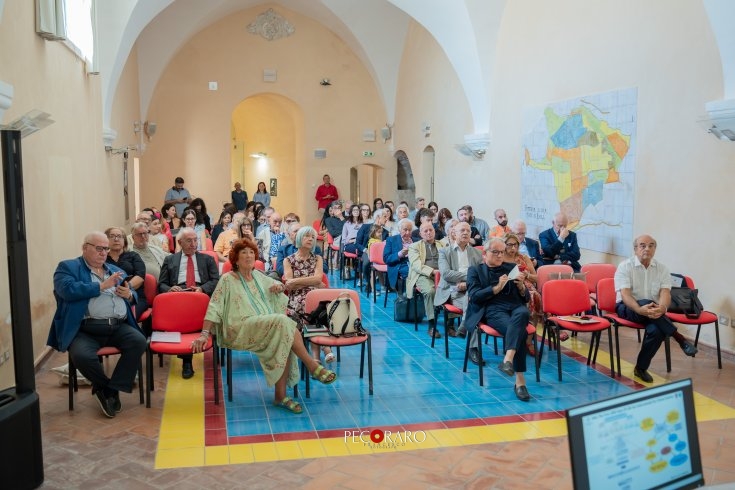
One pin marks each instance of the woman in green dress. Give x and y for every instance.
(247, 312)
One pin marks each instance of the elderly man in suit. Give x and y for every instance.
(395, 253)
(454, 261)
(423, 264)
(500, 302)
(559, 244)
(93, 311)
(188, 270)
(528, 246)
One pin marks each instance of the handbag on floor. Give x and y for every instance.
(403, 309)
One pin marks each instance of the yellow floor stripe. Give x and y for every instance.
(181, 438)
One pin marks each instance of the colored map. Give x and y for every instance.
(579, 158)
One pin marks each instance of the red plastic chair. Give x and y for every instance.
(593, 274)
(260, 265)
(226, 267)
(150, 289)
(491, 332)
(208, 244)
(606, 306)
(569, 297)
(181, 312)
(378, 268)
(312, 302)
(543, 274)
(704, 318)
(212, 254)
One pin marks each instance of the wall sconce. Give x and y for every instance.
(259, 154)
(475, 145)
(148, 128)
(324, 82)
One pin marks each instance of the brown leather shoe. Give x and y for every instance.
(433, 333)
(451, 332)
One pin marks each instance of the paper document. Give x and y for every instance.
(512, 275)
(169, 337)
(578, 319)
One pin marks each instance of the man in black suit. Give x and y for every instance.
(188, 270)
(500, 302)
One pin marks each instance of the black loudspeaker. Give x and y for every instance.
(21, 456)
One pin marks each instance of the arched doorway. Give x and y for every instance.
(406, 187)
(266, 141)
(365, 183)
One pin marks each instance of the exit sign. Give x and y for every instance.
(367, 153)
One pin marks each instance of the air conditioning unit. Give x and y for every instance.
(720, 119)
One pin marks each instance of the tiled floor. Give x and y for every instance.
(466, 436)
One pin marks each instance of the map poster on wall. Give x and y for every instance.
(579, 158)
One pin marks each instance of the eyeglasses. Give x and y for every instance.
(496, 253)
(511, 244)
(114, 237)
(142, 234)
(98, 248)
(190, 218)
(643, 246)
(289, 221)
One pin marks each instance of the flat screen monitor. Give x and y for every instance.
(639, 440)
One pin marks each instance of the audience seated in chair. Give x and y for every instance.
(423, 263)
(559, 244)
(454, 261)
(643, 287)
(395, 254)
(496, 300)
(188, 270)
(247, 312)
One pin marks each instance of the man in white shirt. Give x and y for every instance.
(643, 288)
(454, 261)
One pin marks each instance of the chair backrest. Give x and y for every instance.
(314, 296)
(481, 248)
(595, 272)
(543, 273)
(260, 265)
(179, 311)
(212, 254)
(606, 295)
(150, 288)
(375, 253)
(316, 224)
(208, 244)
(226, 267)
(330, 239)
(565, 297)
(437, 278)
(325, 280)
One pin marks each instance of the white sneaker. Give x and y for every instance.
(61, 369)
(81, 380)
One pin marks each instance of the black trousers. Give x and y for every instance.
(657, 329)
(91, 338)
(511, 321)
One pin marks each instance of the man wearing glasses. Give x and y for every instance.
(528, 246)
(499, 301)
(643, 287)
(93, 310)
(188, 270)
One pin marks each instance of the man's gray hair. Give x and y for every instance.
(405, 220)
(184, 231)
(515, 224)
(137, 226)
(489, 243)
(451, 223)
(401, 206)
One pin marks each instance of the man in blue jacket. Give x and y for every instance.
(529, 246)
(559, 244)
(395, 254)
(93, 310)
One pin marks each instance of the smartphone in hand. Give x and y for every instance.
(127, 280)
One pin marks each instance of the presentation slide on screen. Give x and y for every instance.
(640, 445)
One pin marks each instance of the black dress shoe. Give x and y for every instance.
(475, 356)
(689, 349)
(462, 332)
(115, 402)
(522, 393)
(507, 368)
(104, 402)
(187, 371)
(643, 374)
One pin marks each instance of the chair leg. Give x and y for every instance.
(617, 350)
(667, 348)
(72, 382)
(717, 337)
(466, 352)
(557, 345)
(229, 374)
(446, 333)
(610, 348)
(479, 359)
(215, 367)
(149, 376)
(370, 364)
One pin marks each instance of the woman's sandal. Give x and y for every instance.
(323, 375)
(329, 357)
(289, 404)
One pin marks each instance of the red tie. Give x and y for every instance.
(190, 280)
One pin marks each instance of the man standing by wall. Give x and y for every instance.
(178, 196)
(325, 194)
